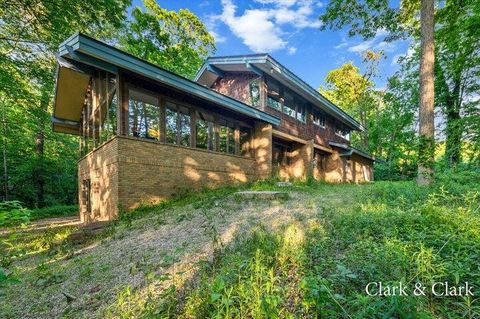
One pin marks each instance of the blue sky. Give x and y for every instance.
(289, 31)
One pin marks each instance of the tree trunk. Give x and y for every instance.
(454, 137)
(426, 149)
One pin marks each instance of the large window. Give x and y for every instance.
(174, 123)
(171, 123)
(289, 105)
(205, 131)
(143, 115)
(177, 124)
(302, 112)
(342, 130)
(273, 96)
(319, 118)
(184, 126)
(99, 114)
(226, 136)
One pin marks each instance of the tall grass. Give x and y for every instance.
(393, 232)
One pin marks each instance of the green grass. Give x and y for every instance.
(214, 255)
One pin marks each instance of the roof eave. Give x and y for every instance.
(93, 52)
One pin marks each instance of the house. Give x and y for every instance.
(147, 134)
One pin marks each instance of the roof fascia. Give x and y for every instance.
(60, 121)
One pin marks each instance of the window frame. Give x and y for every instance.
(340, 127)
(194, 114)
(320, 115)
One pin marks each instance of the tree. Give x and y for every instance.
(30, 33)
(176, 41)
(365, 19)
(457, 70)
(426, 154)
(354, 92)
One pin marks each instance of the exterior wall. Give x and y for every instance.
(301, 163)
(362, 169)
(101, 168)
(334, 171)
(262, 143)
(125, 172)
(236, 85)
(307, 131)
(150, 172)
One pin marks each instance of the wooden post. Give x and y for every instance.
(122, 113)
(161, 123)
(193, 128)
(236, 137)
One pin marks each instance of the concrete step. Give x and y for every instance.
(262, 195)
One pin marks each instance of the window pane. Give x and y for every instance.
(274, 104)
(111, 126)
(185, 131)
(226, 136)
(301, 113)
(245, 141)
(273, 96)
(289, 106)
(170, 126)
(202, 134)
(143, 116)
(290, 111)
(342, 130)
(205, 133)
(319, 118)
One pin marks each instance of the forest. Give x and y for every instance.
(213, 254)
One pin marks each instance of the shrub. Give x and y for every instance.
(12, 213)
(54, 211)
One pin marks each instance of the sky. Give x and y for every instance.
(289, 30)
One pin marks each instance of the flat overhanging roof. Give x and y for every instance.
(352, 150)
(80, 52)
(213, 68)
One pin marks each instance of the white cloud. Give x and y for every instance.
(264, 29)
(282, 3)
(218, 38)
(253, 27)
(395, 59)
(361, 47)
(292, 50)
(377, 43)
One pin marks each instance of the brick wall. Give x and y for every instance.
(236, 85)
(262, 142)
(150, 172)
(362, 169)
(101, 168)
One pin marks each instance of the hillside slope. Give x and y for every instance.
(218, 255)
